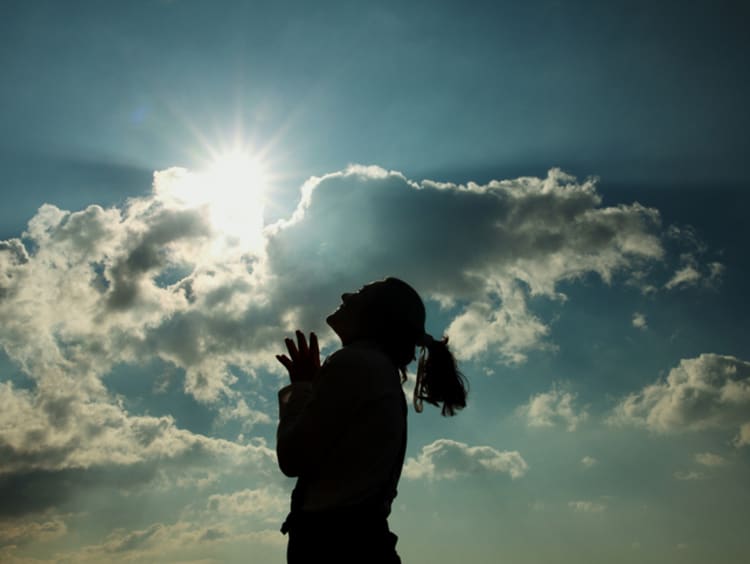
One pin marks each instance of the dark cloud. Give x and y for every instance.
(150, 252)
(48, 460)
(13, 255)
(35, 491)
(472, 244)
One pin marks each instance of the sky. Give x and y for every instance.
(186, 182)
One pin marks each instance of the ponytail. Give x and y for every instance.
(394, 318)
(438, 378)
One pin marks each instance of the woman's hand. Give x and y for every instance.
(303, 362)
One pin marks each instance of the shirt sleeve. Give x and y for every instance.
(313, 417)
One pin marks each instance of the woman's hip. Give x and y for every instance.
(348, 536)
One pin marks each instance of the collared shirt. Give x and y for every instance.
(344, 434)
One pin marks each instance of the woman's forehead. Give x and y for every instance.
(370, 286)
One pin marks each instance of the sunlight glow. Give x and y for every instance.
(232, 187)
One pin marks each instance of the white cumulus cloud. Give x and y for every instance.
(685, 276)
(710, 391)
(445, 459)
(556, 407)
(710, 459)
(639, 321)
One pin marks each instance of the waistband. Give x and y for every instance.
(354, 516)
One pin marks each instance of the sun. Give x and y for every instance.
(232, 188)
(238, 176)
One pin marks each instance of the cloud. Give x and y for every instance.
(241, 412)
(232, 524)
(85, 290)
(64, 437)
(589, 461)
(158, 278)
(13, 256)
(27, 531)
(639, 321)
(587, 506)
(710, 459)
(507, 239)
(182, 541)
(684, 277)
(445, 459)
(78, 433)
(261, 501)
(556, 407)
(743, 436)
(710, 391)
(694, 270)
(689, 476)
(512, 329)
(715, 272)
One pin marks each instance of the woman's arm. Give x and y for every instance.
(314, 415)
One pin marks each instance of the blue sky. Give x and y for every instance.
(185, 182)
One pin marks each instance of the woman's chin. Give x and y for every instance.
(331, 321)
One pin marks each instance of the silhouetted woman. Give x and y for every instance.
(342, 425)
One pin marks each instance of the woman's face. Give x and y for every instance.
(348, 320)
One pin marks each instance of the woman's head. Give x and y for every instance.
(382, 311)
(391, 313)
